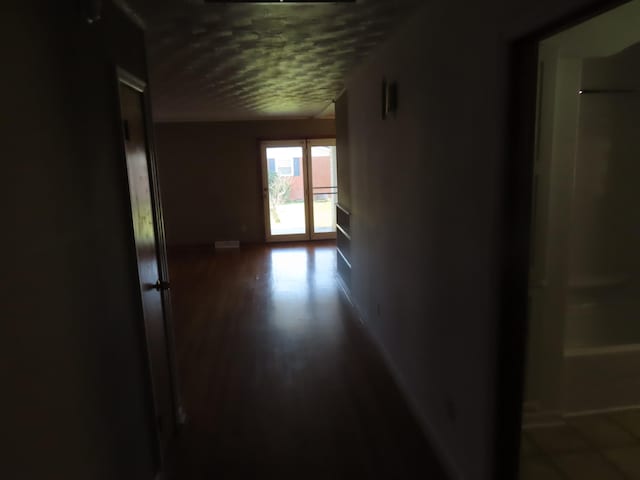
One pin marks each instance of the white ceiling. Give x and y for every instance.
(250, 61)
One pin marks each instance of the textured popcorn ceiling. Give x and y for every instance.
(247, 61)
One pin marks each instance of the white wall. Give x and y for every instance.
(425, 195)
(604, 268)
(555, 165)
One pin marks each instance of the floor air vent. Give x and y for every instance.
(227, 244)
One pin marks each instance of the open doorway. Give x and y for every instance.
(581, 412)
(300, 189)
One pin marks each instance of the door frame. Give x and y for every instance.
(123, 76)
(306, 145)
(514, 237)
(265, 190)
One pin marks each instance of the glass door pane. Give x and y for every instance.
(284, 185)
(324, 187)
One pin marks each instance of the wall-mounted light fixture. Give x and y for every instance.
(389, 99)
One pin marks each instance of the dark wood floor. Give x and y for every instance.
(277, 377)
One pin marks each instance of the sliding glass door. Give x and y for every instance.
(299, 189)
(324, 187)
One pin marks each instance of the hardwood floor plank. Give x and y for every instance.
(278, 378)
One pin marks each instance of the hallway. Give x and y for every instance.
(278, 379)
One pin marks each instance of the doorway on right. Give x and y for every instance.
(581, 412)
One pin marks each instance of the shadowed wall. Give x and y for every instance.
(74, 384)
(427, 198)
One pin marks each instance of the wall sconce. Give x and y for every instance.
(389, 99)
(91, 10)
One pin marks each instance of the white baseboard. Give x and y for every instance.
(541, 419)
(601, 411)
(440, 451)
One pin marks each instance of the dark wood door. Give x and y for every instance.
(151, 283)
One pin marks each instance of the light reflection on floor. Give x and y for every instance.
(303, 279)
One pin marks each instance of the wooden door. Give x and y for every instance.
(152, 286)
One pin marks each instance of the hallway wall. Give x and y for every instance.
(74, 400)
(211, 178)
(342, 148)
(426, 199)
